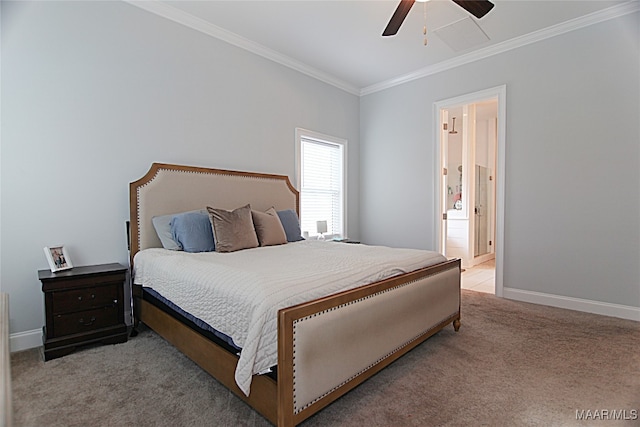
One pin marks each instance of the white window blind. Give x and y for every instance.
(321, 186)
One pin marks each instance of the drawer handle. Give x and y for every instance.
(93, 296)
(115, 301)
(89, 323)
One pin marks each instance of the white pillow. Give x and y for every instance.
(162, 224)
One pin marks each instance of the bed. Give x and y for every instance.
(322, 345)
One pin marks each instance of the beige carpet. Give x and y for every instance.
(511, 364)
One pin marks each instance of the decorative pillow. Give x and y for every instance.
(268, 227)
(291, 225)
(162, 225)
(192, 232)
(233, 230)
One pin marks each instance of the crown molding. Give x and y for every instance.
(536, 36)
(174, 14)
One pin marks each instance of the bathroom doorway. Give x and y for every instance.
(470, 185)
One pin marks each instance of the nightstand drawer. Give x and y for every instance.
(66, 283)
(84, 298)
(85, 321)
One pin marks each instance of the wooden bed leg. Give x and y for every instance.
(456, 325)
(136, 291)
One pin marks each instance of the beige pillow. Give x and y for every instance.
(268, 227)
(233, 230)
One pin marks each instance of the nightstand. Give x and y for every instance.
(345, 240)
(83, 305)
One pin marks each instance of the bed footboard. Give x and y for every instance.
(329, 346)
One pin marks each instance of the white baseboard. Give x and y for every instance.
(589, 306)
(25, 340)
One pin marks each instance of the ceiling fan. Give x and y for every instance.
(477, 8)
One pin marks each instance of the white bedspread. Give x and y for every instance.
(240, 293)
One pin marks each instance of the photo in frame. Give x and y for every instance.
(58, 258)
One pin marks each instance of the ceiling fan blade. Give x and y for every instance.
(398, 17)
(477, 8)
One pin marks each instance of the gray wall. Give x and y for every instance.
(572, 203)
(94, 92)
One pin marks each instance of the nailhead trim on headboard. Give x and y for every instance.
(138, 187)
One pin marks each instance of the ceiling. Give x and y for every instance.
(340, 41)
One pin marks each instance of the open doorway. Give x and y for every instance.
(470, 185)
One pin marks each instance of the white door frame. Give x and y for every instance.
(499, 93)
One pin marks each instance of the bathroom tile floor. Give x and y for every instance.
(480, 277)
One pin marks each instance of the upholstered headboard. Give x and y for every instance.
(167, 189)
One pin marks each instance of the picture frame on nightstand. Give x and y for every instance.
(58, 258)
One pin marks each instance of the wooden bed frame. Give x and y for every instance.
(318, 358)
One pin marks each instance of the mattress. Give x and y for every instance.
(240, 293)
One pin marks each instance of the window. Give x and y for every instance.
(321, 171)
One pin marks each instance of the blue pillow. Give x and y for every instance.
(291, 225)
(192, 232)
